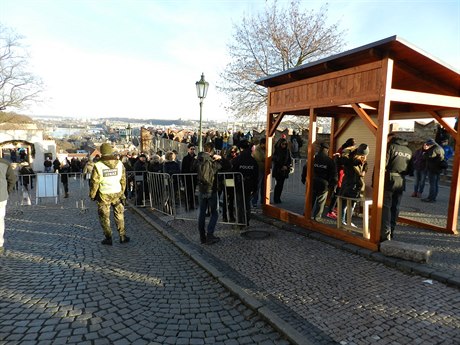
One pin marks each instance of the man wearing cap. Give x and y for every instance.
(398, 165)
(108, 183)
(324, 178)
(433, 155)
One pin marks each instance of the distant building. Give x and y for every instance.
(20, 134)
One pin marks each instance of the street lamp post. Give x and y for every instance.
(201, 90)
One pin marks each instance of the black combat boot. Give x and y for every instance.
(124, 239)
(107, 241)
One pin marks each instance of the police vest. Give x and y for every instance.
(110, 178)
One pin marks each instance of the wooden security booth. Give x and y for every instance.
(362, 90)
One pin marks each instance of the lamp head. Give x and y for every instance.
(202, 87)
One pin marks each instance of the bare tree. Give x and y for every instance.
(271, 42)
(18, 86)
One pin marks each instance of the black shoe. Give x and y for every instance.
(107, 241)
(428, 200)
(124, 239)
(212, 239)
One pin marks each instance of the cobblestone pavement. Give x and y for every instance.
(325, 294)
(59, 285)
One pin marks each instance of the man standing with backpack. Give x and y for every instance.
(208, 164)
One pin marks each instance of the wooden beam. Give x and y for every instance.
(366, 118)
(447, 126)
(454, 198)
(423, 225)
(310, 154)
(380, 150)
(274, 123)
(423, 80)
(333, 137)
(344, 125)
(424, 98)
(268, 160)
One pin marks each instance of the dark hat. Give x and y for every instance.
(362, 149)
(430, 142)
(106, 149)
(349, 142)
(244, 144)
(324, 146)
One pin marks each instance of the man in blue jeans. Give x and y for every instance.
(208, 164)
(433, 155)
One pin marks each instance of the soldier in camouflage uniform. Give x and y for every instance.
(108, 182)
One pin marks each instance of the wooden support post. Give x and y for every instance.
(310, 154)
(381, 147)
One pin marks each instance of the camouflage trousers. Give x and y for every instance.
(103, 210)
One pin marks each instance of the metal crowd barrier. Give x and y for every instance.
(42, 190)
(293, 184)
(177, 196)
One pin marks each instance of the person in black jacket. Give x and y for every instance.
(397, 167)
(64, 170)
(282, 162)
(433, 156)
(189, 181)
(249, 169)
(140, 171)
(324, 178)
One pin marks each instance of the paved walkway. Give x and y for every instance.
(323, 295)
(59, 285)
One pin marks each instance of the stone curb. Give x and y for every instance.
(251, 302)
(400, 264)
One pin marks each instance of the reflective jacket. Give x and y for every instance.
(110, 178)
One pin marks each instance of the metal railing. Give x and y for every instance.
(48, 190)
(177, 196)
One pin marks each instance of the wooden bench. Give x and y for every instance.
(366, 202)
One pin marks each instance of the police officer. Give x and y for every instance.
(108, 182)
(245, 164)
(397, 167)
(324, 178)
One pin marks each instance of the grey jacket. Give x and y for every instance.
(7, 179)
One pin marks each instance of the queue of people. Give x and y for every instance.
(340, 174)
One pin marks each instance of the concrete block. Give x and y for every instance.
(406, 251)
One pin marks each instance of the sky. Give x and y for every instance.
(141, 58)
